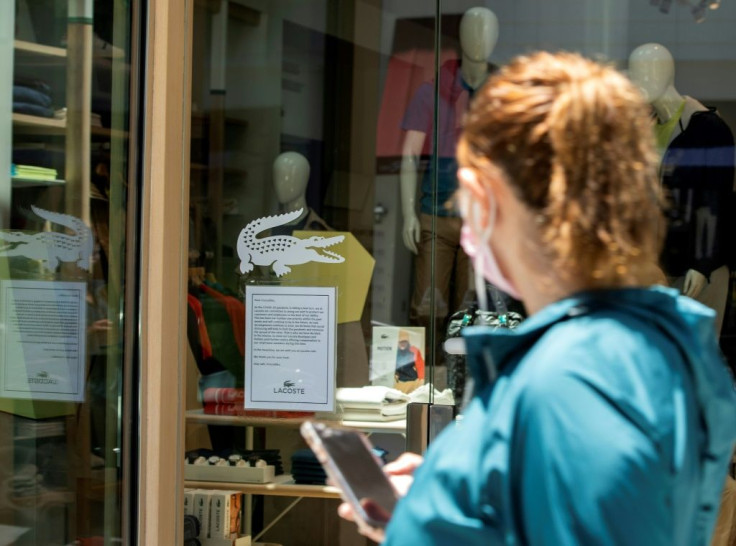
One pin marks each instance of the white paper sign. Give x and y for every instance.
(42, 329)
(290, 348)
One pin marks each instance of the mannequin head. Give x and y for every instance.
(478, 33)
(290, 177)
(652, 69)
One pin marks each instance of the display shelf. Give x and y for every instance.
(198, 416)
(28, 124)
(25, 123)
(38, 50)
(32, 183)
(282, 486)
(46, 497)
(96, 130)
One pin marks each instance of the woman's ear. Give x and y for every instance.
(482, 188)
(476, 194)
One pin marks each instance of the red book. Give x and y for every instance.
(223, 395)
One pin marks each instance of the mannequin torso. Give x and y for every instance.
(478, 37)
(697, 174)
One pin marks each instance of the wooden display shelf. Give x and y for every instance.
(28, 124)
(32, 182)
(282, 486)
(198, 416)
(47, 497)
(34, 49)
(37, 125)
(96, 130)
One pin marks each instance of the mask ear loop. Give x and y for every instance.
(483, 242)
(480, 290)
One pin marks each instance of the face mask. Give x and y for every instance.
(484, 262)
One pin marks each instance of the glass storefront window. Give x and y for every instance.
(323, 155)
(64, 141)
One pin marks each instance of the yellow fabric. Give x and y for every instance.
(663, 131)
(352, 277)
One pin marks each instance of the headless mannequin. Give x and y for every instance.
(652, 68)
(433, 223)
(478, 38)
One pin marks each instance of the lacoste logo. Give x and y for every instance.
(42, 378)
(289, 387)
(384, 336)
(281, 251)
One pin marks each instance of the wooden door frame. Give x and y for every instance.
(163, 276)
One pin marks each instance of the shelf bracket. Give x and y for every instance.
(277, 518)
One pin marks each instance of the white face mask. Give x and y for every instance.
(477, 247)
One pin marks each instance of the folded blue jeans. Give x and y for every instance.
(30, 96)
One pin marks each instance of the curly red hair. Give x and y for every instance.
(573, 138)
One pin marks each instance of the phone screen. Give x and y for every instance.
(358, 466)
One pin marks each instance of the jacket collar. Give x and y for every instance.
(489, 351)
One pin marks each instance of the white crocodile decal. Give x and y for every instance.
(51, 247)
(281, 251)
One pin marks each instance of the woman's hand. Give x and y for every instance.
(401, 474)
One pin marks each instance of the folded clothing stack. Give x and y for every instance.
(32, 97)
(39, 154)
(306, 469)
(441, 398)
(371, 403)
(31, 172)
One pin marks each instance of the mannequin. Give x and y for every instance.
(458, 81)
(697, 173)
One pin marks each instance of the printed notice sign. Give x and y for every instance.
(42, 330)
(290, 348)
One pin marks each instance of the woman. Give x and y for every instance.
(607, 416)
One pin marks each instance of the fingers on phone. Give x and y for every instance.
(407, 463)
(345, 511)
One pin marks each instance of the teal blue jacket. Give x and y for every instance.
(605, 419)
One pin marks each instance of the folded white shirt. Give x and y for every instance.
(370, 397)
(421, 394)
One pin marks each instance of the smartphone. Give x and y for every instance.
(351, 465)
